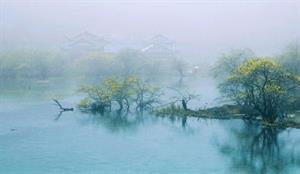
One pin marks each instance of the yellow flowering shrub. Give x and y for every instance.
(262, 85)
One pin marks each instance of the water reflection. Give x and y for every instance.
(247, 147)
(260, 150)
(58, 116)
(117, 121)
(114, 121)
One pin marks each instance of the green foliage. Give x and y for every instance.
(131, 62)
(290, 58)
(262, 85)
(121, 90)
(85, 103)
(95, 64)
(171, 110)
(30, 64)
(228, 62)
(44, 64)
(98, 98)
(124, 63)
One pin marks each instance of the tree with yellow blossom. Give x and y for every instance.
(122, 91)
(262, 87)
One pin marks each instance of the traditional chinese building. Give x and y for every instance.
(160, 46)
(84, 42)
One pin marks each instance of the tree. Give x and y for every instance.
(98, 98)
(95, 64)
(184, 97)
(262, 86)
(228, 62)
(290, 58)
(131, 62)
(180, 67)
(123, 91)
(30, 64)
(145, 95)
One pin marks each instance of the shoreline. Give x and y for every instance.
(226, 112)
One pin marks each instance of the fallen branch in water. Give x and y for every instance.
(61, 107)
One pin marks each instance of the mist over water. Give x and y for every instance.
(70, 68)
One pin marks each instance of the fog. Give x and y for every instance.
(136, 86)
(202, 30)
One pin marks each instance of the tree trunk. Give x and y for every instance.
(184, 105)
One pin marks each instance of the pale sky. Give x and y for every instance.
(202, 26)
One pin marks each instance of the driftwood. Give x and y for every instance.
(58, 116)
(61, 107)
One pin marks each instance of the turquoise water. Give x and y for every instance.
(35, 138)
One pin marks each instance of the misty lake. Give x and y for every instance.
(149, 87)
(35, 138)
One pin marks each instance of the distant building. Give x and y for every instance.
(160, 46)
(84, 42)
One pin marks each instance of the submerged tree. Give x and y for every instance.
(263, 87)
(111, 90)
(184, 97)
(98, 99)
(123, 91)
(145, 95)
